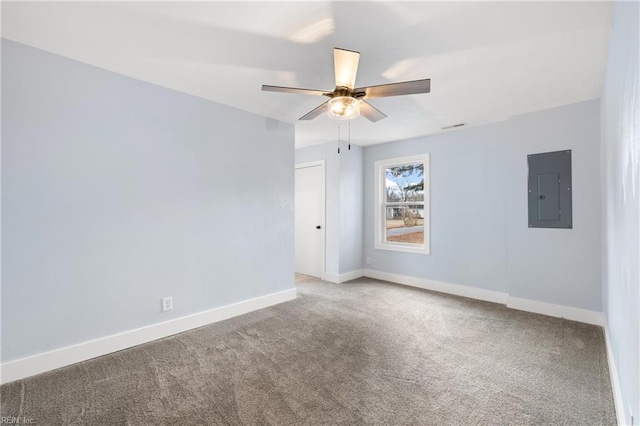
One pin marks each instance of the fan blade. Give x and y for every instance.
(345, 63)
(315, 112)
(282, 89)
(395, 89)
(370, 112)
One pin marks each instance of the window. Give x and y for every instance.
(402, 204)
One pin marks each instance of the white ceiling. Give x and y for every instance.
(486, 60)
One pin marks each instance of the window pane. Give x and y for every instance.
(402, 204)
(405, 224)
(404, 183)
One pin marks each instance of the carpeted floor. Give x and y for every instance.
(364, 352)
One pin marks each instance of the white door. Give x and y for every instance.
(310, 219)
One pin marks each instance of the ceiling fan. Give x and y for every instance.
(348, 102)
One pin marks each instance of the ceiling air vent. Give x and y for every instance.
(453, 126)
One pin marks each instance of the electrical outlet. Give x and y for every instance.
(167, 304)
(368, 260)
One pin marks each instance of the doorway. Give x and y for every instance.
(309, 218)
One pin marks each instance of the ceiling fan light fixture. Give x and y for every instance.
(348, 101)
(343, 108)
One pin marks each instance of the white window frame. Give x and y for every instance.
(380, 203)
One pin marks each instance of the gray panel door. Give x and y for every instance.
(550, 204)
(548, 196)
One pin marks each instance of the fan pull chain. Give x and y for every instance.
(338, 138)
(349, 135)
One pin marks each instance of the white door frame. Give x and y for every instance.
(320, 163)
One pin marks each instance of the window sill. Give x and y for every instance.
(405, 248)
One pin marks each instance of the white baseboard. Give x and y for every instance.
(342, 278)
(552, 310)
(613, 372)
(575, 314)
(332, 278)
(348, 276)
(40, 363)
(442, 287)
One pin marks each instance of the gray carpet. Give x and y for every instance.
(364, 352)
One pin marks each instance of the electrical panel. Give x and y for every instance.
(550, 190)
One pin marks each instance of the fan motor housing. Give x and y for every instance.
(342, 91)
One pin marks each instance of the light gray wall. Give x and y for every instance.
(351, 199)
(479, 231)
(561, 266)
(117, 193)
(468, 208)
(621, 203)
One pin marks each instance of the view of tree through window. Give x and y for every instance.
(404, 203)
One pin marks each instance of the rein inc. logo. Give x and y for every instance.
(9, 420)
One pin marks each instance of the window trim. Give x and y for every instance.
(380, 202)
